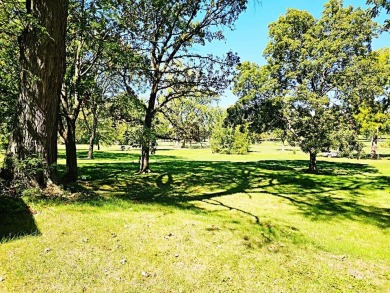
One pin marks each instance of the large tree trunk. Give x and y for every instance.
(42, 67)
(68, 133)
(313, 162)
(146, 140)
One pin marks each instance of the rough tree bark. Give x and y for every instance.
(42, 67)
(145, 148)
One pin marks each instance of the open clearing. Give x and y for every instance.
(204, 223)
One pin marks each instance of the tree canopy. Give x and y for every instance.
(319, 71)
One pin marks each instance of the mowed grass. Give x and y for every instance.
(202, 222)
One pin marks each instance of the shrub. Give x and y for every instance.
(229, 140)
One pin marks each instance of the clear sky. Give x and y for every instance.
(250, 37)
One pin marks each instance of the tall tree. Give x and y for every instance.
(310, 58)
(85, 43)
(92, 46)
(42, 67)
(167, 33)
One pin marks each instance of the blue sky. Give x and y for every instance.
(250, 37)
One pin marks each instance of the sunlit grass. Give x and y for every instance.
(201, 222)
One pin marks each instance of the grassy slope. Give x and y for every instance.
(204, 223)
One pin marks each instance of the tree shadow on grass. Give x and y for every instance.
(334, 193)
(16, 219)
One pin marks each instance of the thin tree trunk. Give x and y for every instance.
(92, 135)
(69, 137)
(313, 162)
(374, 145)
(42, 64)
(145, 148)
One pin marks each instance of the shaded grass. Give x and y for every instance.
(205, 223)
(181, 182)
(16, 219)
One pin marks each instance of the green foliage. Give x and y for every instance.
(167, 34)
(386, 144)
(370, 121)
(346, 142)
(190, 118)
(26, 172)
(377, 7)
(257, 105)
(107, 132)
(229, 140)
(241, 141)
(323, 70)
(10, 28)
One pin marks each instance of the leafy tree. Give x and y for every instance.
(41, 75)
(167, 32)
(190, 119)
(373, 115)
(91, 47)
(310, 58)
(384, 78)
(228, 139)
(258, 106)
(241, 140)
(128, 112)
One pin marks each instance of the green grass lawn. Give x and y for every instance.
(202, 222)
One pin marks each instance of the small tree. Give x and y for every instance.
(241, 141)
(228, 139)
